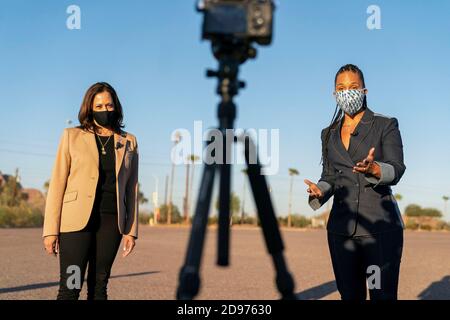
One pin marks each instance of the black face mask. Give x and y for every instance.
(104, 118)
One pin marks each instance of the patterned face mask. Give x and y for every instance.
(350, 101)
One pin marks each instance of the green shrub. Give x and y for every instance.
(412, 225)
(250, 220)
(236, 220)
(175, 217)
(20, 217)
(297, 221)
(213, 220)
(144, 217)
(426, 227)
(414, 210)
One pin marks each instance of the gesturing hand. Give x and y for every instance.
(313, 189)
(368, 166)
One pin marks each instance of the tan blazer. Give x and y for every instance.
(74, 179)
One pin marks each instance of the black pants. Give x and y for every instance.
(355, 260)
(95, 246)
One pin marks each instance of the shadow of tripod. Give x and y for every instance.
(231, 54)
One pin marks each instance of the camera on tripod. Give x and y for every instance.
(238, 20)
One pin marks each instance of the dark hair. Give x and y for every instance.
(85, 116)
(338, 114)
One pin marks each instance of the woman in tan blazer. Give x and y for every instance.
(92, 199)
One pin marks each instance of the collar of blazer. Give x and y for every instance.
(120, 143)
(362, 130)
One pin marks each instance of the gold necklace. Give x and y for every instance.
(103, 145)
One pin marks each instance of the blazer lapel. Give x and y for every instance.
(119, 147)
(89, 139)
(363, 129)
(338, 146)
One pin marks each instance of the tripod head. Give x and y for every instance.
(230, 53)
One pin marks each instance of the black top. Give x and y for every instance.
(106, 197)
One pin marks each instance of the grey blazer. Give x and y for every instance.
(362, 205)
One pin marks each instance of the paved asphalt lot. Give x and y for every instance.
(151, 272)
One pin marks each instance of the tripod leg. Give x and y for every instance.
(189, 279)
(269, 224)
(223, 241)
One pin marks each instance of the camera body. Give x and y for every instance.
(241, 20)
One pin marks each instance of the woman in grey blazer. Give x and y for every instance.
(362, 157)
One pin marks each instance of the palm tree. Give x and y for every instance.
(46, 186)
(292, 172)
(193, 159)
(141, 197)
(244, 171)
(445, 198)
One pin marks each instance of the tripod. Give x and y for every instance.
(230, 56)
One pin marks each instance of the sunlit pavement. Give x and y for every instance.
(151, 272)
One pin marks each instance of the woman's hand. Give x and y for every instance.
(368, 166)
(51, 245)
(313, 190)
(128, 245)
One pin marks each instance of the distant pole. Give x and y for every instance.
(445, 198)
(169, 211)
(193, 159)
(186, 195)
(244, 171)
(15, 190)
(290, 203)
(243, 204)
(155, 200)
(165, 190)
(292, 172)
(445, 208)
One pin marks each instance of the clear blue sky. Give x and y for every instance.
(151, 52)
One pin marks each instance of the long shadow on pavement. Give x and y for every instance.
(318, 292)
(53, 284)
(438, 290)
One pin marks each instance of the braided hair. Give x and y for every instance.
(338, 113)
